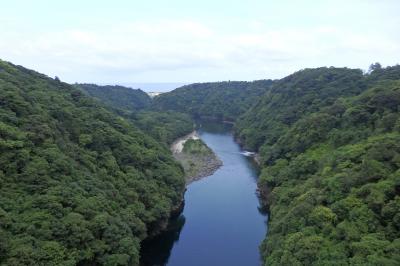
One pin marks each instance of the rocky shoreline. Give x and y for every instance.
(206, 166)
(196, 164)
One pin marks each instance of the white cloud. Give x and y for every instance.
(133, 51)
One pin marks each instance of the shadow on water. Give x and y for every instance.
(156, 251)
(213, 127)
(211, 205)
(252, 164)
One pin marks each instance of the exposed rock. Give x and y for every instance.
(197, 159)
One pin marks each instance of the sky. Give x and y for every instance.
(122, 42)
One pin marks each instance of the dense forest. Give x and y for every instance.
(163, 126)
(118, 97)
(295, 96)
(84, 181)
(329, 141)
(79, 185)
(215, 100)
(134, 105)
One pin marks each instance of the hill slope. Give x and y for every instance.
(78, 184)
(165, 127)
(118, 97)
(293, 97)
(133, 105)
(217, 100)
(329, 144)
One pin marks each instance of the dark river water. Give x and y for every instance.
(222, 223)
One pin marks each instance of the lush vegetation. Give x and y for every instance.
(134, 105)
(82, 184)
(78, 184)
(197, 159)
(196, 146)
(293, 97)
(163, 126)
(118, 97)
(216, 100)
(329, 141)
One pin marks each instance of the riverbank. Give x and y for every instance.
(197, 159)
(216, 210)
(177, 145)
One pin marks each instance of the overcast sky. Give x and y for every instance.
(195, 41)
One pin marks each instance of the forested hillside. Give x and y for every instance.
(163, 126)
(118, 97)
(133, 105)
(216, 100)
(79, 185)
(83, 182)
(293, 97)
(329, 144)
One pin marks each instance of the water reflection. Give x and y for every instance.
(224, 222)
(213, 127)
(157, 250)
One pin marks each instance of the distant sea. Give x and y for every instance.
(155, 86)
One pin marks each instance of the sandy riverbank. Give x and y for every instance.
(177, 145)
(198, 160)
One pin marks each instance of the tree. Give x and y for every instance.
(373, 67)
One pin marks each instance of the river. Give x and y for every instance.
(221, 223)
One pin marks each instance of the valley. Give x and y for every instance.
(222, 212)
(88, 176)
